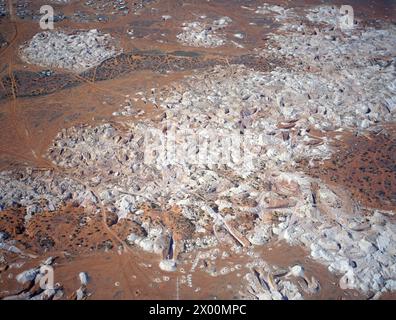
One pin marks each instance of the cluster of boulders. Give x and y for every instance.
(267, 282)
(281, 204)
(359, 247)
(38, 283)
(114, 7)
(204, 33)
(277, 13)
(76, 51)
(3, 8)
(225, 150)
(354, 67)
(37, 191)
(150, 238)
(82, 292)
(98, 10)
(3, 41)
(325, 14)
(60, 1)
(115, 162)
(129, 109)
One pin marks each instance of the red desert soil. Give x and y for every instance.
(83, 244)
(365, 166)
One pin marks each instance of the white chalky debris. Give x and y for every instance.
(77, 51)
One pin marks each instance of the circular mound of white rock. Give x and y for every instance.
(77, 51)
(168, 265)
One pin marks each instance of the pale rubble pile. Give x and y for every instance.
(37, 190)
(128, 109)
(38, 284)
(266, 282)
(324, 14)
(325, 220)
(353, 68)
(82, 292)
(278, 13)
(204, 33)
(325, 101)
(153, 239)
(60, 1)
(266, 8)
(318, 16)
(321, 40)
(77, 51)
(332, 49)
(273, 114)
(111, 162)
(3, 8)
(220, 103)
(257, 112)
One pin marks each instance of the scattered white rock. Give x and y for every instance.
(168, 265)
(77, 51)
(27, 276)
(204, 33)
(84, 279)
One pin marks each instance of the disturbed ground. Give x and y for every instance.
(83, 189)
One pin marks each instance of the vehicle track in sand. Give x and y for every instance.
(131, 255)
(19, 123)
(128, 260)
(14, 23)
(22, 133)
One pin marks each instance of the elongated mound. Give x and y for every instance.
(204, 33)
(75, 52)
